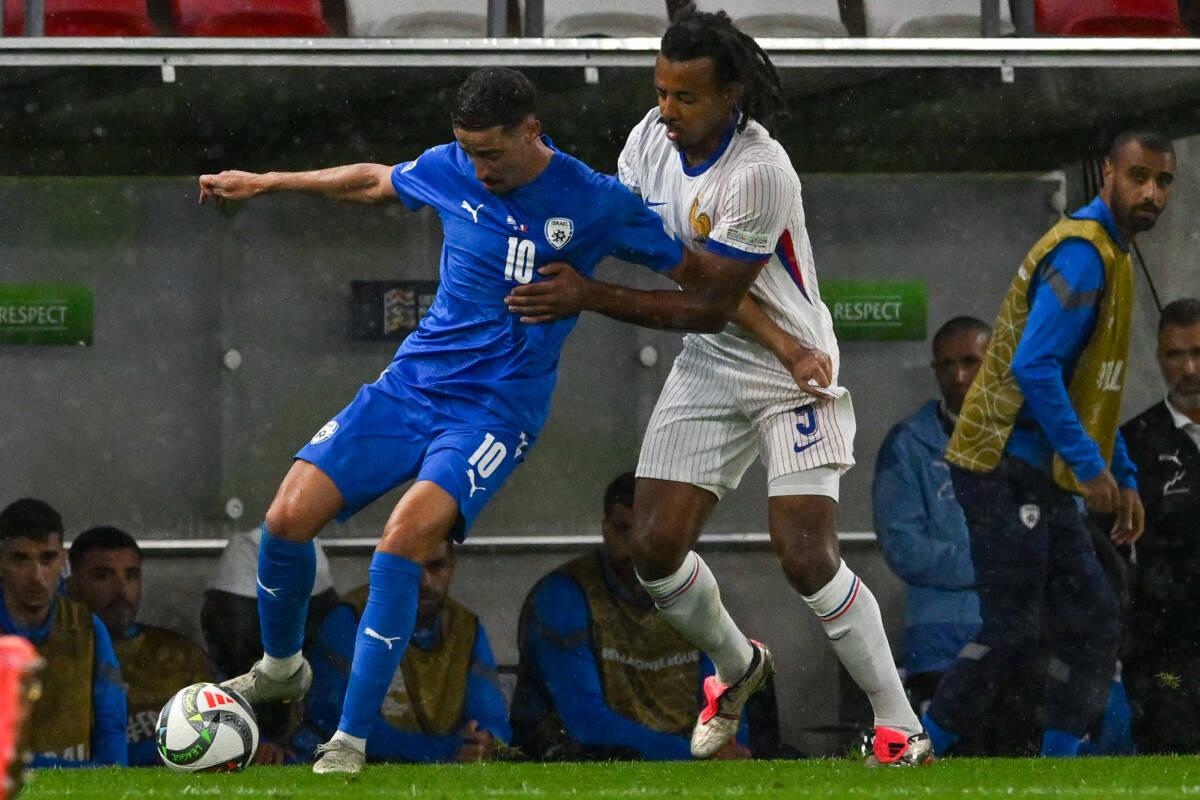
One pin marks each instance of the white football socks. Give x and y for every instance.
(690, 601)
(355, 742)
(281, 668)
(854, 626)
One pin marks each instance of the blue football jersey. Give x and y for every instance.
(470, 351)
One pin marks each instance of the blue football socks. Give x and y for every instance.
(286, 572)
(383, 632)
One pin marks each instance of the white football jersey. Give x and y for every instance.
(743, 202)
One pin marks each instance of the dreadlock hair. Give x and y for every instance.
(737, 58)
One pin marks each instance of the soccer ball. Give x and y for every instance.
(206, 728)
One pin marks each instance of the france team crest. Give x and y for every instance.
(559, 231)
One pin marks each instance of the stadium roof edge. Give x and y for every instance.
(598, 52)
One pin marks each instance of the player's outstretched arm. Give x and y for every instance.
(712, 287)
(355, 183)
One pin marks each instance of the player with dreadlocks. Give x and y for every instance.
(704, 162)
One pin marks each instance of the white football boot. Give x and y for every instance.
(719, 719)
(338, 757)
(257, 687)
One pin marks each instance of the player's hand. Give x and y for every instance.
(562, 295)
(269, 754)
(811, 368)
(1131, 518)
(1102, 494)
(478, 744)
(732, 751)
(231, 184)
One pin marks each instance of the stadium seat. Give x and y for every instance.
(604, 18)
(788, 17)
(1108, 17)
(416, 18)
(84, 18)
(249, 17)
(918, 18)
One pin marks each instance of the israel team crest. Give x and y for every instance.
(559, 231)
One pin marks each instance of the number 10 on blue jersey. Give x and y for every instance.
(519, 265)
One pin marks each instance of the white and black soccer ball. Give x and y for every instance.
(206, 728)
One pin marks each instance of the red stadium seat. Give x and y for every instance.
(1108, 17)
(249, 17)
(84, 18)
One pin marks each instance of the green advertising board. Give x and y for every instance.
(45, 313)
(876, 311)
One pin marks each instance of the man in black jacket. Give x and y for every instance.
(1163, 639)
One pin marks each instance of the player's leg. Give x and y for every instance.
(668, 517)
(371, 446)
(1009, 552)
(805, 449)
(461, 470)
(1082, 625)
(425, 516)
(804, 535)
(306, 501)
(697, 447)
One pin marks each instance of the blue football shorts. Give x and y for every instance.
(387, 437)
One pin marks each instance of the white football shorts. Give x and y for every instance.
(717, 412)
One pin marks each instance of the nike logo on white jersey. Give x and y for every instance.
(267, 589)
(474, 488)
(375, 635)
(474, 211)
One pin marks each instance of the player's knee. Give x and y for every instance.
(656, 555)
(414, 539)
(809, 562)
(289, 520)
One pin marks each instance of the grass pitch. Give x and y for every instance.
(1101, 778)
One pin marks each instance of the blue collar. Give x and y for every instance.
(428, 638)
(1099, 211)
(699, 169)
(36, 635)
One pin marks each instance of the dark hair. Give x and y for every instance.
(28, 518)
(737, 58)
(493, 96)
(1151, 140)
(103, 537)
(1181, 313)
(619, 492)
(961, 324)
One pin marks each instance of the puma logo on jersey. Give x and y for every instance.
(701, 223)
(273, 592)
(474, 487)
(388, 641)
(1172, 486)
(474, 211)
(1171, 458)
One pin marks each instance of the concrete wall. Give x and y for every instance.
(148, 431)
